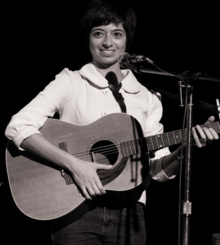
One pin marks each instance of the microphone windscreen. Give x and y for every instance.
(112, 79)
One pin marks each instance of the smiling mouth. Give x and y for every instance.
(107, 52)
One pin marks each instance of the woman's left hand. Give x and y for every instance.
(203, 135)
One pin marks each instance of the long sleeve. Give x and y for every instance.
(31, 118)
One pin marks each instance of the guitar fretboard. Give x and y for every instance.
(159, 141)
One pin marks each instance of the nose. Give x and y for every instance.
(107, 42)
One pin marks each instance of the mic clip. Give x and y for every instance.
(142, 58)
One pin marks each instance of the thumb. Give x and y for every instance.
(104, 166)
(211, 119)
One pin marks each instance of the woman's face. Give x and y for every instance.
(106, 43)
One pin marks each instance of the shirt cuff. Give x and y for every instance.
(157, 172)
(24, 134)
(161, 176)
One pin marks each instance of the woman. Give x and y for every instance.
(84, 96)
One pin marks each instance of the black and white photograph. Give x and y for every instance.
(111, 112)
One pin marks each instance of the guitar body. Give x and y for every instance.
(44, 192)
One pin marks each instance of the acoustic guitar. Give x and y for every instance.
(44, 192)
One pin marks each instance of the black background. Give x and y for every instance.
(39, 40)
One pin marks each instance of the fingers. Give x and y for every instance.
(214, 134)
(92, 190)
(196, 138)
(85, 193)
(96, 188)
(100, 187)
(89, 191)
(204, 136)
(88, 180)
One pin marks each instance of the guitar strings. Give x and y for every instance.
(133, 144)
(130, 146)
(154, 139)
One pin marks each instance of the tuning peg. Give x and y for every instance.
(218, 105)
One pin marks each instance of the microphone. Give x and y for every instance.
(112, 79)
(131, 61)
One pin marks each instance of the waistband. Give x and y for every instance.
(113, 202)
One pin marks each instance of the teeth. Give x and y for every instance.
(107, 51)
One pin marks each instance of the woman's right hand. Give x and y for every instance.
(84, 173)
(86, 178)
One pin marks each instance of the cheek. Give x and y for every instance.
(93, 43)
(90, 45)
(123, 45)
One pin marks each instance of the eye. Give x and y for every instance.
(97, 34)
(118, 34)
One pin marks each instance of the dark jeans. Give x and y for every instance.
(101, 225)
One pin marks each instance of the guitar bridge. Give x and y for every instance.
(66, 177)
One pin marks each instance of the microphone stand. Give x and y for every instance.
(187, 204)
(195, 76)
(186, 78)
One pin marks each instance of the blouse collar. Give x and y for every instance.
(129, 83)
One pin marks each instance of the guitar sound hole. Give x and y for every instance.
(104, 152)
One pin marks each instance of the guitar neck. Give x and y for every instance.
(159, 141)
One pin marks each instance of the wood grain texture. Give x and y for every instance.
(38, 187)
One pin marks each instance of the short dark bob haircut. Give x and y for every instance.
(105, 12)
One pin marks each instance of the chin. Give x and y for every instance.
(105, 62)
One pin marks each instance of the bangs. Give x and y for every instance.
(108, 12)
(105, 14)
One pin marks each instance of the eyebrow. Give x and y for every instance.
(100, 29)
(119, 30)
